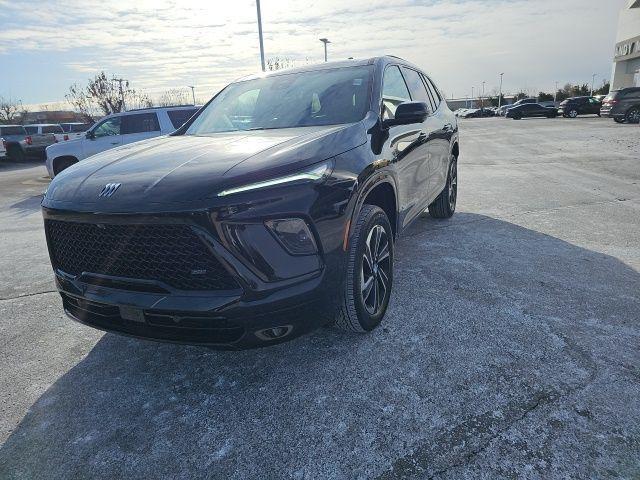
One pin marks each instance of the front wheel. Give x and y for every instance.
(618, 120)
(369, 272)
(573, 113)
(444, 205)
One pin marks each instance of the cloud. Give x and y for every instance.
(166, 44)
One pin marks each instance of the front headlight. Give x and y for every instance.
(317, 172)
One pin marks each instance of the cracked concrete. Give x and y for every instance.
(510, 350)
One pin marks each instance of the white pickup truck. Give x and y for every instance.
(75, 130)
(41, 135)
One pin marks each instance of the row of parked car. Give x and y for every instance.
(622, 105)
(66, 144)
(20, 141)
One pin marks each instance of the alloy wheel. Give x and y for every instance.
(452, 184)
(633, 116)
(573, 114)
(375, 271)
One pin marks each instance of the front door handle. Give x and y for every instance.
(114, 143)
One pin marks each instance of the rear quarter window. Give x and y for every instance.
(52, 129)
(179, 117)
(12, 131)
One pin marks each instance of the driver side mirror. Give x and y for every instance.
(90, 135)
(408, 113)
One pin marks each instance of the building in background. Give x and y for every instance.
(626, 60)
(54, 116)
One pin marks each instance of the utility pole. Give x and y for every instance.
(260, 35)
(120, 80)
(325, 41)
(500, 95)
(193, 92)
(593, 79)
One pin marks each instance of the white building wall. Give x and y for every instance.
(625, 69)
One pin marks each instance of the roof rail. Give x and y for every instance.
(157, 108)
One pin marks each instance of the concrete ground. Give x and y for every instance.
(511, 348)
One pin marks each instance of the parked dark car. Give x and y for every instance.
(574, 106)
(271, 212)
(15, 137)
(531, 110)
(477, 113)
(622, 105)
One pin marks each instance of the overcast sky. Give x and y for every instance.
(45, 46)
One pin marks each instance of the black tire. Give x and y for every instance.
(444, 206)
(632, 115)
(61, 164)
(359, 311)
(516, 117)
(619, 120)
(16, 153)
(573, 113)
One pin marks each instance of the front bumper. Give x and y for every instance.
(295, 294)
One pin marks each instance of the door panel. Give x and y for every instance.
(106, 136)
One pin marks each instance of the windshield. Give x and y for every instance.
(323, 97)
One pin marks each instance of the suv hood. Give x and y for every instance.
(181, 170)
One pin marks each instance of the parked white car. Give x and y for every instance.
(115, 130)
(3, 148)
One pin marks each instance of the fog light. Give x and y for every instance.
(274, 333)
(294, 235)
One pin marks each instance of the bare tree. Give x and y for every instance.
(279, 63)
(175, 96)
(10, 110)
(106, 95)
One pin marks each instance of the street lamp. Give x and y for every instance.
(260, 35)
(482, 97)
(193, 92)
(325, 41)
(500, 95)
(472, 97)
(593, 79)
(555, 95)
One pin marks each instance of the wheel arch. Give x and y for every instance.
(380, 190)
(62, 158)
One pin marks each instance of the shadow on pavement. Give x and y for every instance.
(506, 352)
(27, 206)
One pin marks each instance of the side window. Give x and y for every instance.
(31, 130)
(108, 128)
(437, 98)
(416, 87)
(633, 94)
(52, 129)
(140, 123)
(394, 92)
(179, 117)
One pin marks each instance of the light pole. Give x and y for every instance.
(472, 97)
(500, 95)
(593, 79)
(260, 35)
(193, 92)
(325, 41)
(555, 95)
(482, 97)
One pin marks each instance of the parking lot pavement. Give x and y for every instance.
(510, 349)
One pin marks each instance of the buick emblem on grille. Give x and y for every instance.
(109, 189)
